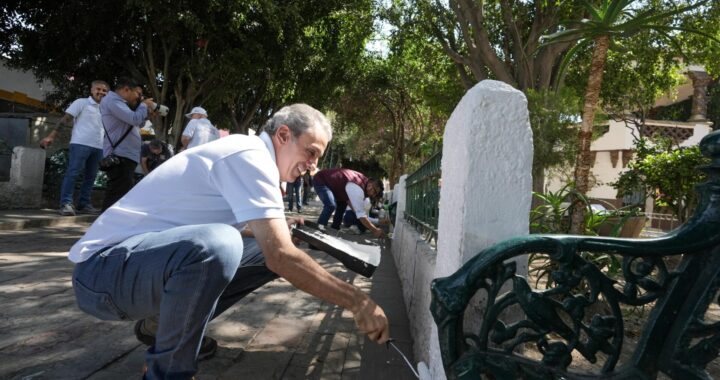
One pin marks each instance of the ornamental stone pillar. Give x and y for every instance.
(700, 79)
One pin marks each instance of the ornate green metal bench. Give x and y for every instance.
(678, 339)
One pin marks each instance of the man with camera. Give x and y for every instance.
(123, 111)
(172, 248)
(199, 129)
(84, 151)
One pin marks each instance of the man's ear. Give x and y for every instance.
(284, 134)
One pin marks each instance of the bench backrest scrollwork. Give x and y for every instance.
(678, 338)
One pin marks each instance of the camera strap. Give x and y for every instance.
(114, 145)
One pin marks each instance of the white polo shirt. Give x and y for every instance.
(200, 131)
(356, 195)
(87, 129)
(231, 181)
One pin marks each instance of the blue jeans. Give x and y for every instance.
(293, 189)
(330, 204)
(184, 276)
(83, 160)
(350, 219)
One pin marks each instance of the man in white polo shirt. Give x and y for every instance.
(171, 249)
(199, 129)
(85, 150)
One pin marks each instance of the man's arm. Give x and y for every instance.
(187, 134)
(65, 120)
(283, 258)
(185, 141)
(143, 163)
(377, 232)
(122, 111)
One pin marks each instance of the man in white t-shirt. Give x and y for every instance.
(85, 150)
(171, 250)
(199, 129)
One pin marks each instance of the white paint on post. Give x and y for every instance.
(24, 190)
(486, 181)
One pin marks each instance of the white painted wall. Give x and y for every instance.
(485, 198)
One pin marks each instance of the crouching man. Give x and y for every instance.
(171, 250)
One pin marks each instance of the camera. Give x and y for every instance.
(161, 109)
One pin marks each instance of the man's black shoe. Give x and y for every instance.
(208, 347)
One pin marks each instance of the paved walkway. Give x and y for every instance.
(277, 332)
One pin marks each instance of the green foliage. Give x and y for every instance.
(679, 111)
(552, 216)
(609, 23)
(552, 118)
(240, 59)
(668, 175)
(393, 111)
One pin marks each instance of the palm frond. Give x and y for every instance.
(561, 36)
(590, 7)
(615, 9)
(567, 58)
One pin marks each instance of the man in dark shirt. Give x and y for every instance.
(340, 187)
(153, 154)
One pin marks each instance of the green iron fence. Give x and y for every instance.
(423, 197)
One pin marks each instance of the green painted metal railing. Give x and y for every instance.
(583, 311)
(423, 197)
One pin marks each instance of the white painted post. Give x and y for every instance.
(486, 181)
(24, 190)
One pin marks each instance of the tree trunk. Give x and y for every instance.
(538, 186)
(584, 163)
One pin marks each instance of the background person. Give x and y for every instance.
(152, 154)
(293, 192)
(306, 188)
(171, 249)
(199, 129)
(85, 149)
(123, 111)
(340, 187)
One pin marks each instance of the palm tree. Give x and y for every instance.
(608, 21)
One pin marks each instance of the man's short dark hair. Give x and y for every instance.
(156, 143)
(128, 82)
(98, 82)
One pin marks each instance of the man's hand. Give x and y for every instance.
(295, 220)
(46, 142)
(292, 222)
(378, 233)
(371, 319)
(151, 106)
